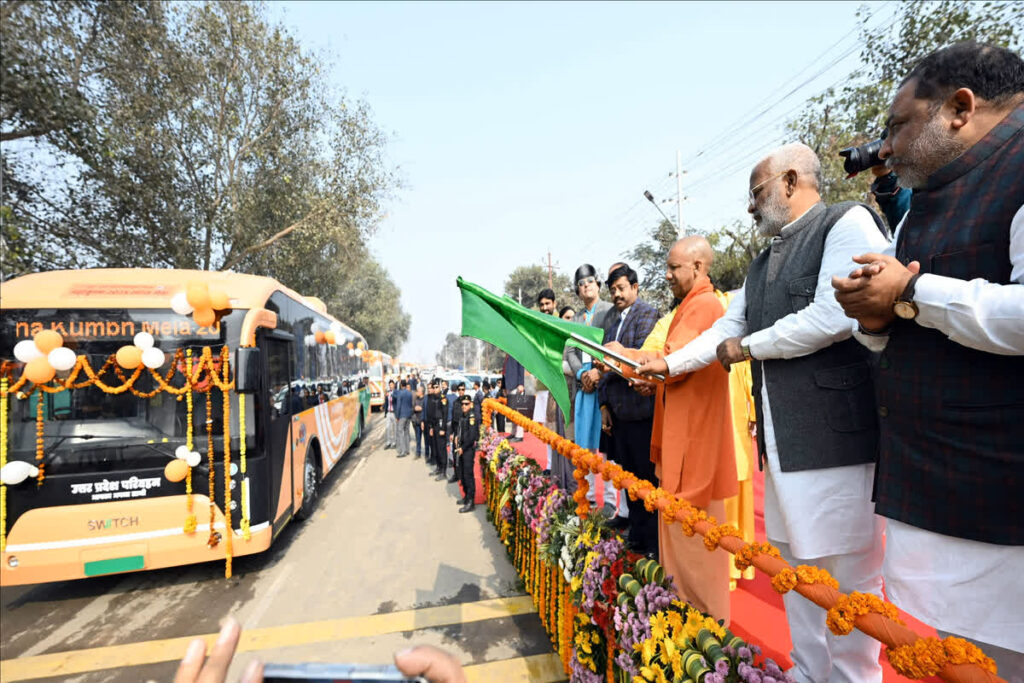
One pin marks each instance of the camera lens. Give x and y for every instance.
(862, 158)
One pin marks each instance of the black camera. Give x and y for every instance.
(862, 158)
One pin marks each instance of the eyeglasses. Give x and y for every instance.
(585, 281)
(752, 197)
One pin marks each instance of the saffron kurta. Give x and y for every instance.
(692, 448)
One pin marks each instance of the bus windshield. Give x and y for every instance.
(88, 429)
(375, 371)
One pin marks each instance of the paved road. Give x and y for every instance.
(387, 561)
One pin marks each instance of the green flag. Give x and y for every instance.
(535, 339)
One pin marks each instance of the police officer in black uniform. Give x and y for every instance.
(434, 423)
(456, 416)
(442, 435)
(467, 431)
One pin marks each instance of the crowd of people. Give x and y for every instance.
(445, 423)
(880, 377)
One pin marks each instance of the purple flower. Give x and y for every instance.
(722, 666)
(744, 653)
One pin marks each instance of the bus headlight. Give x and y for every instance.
(12, 562)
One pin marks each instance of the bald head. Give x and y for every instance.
(783, 186)
(695, 248)
(688, 260)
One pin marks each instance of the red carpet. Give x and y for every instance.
(758, 615)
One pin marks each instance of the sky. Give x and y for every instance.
(523, 128)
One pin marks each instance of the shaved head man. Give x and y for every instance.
(688, 259)
(817, 424)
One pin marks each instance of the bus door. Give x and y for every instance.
(277, 349)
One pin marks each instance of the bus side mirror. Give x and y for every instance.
(247, 369)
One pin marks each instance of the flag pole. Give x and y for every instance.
(604, 351)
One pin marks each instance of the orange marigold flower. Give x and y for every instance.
(784, 581)
(746, 554)
(715, 534)
(840, 618)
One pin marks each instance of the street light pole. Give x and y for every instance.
(650, 198)
(679, 191)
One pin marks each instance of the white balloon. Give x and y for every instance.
(193, 458)
(26, 350)
(17, 471)
(62, 358)
(180, 304)
(144, 340)
(182, 452)
(153, 358)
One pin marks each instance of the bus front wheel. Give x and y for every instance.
(310, 483)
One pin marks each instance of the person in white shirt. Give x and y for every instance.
(944, 305)
(817, 430)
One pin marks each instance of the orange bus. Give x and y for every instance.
(381, 369)
(153, 430)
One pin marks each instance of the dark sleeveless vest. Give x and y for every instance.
(952, 417)
(823, 406)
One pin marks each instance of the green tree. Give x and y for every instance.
(854, 113)
(470, 354)
(735, 246)
(524, 283)
(369, 301)
(648, 260)
(204, 137)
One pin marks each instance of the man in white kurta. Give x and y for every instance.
(822, 517)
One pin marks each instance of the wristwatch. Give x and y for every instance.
(905, 307)
(745, 347)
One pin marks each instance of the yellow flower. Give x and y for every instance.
(676, 660)
(648, 651)
(659, 624)
(669, 647)
(647, 674)
(675, 621)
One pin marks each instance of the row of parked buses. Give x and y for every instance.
(175, 417)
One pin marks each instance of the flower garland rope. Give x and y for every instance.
(214, 537)
(3, 461)
(870, 617)
(40, 432)
(228, 480)
(190, 517)
(242, 431)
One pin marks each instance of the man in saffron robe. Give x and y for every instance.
(692, 440)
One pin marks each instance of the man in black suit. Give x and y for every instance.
(626, 415)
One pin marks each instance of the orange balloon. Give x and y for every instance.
(204, 316)
(198, 295)
(129, 357)
(39, 370)
(219, 300)
(329, 336)
(350, 346)
(48, 340)
(176, 470)
(320, 337)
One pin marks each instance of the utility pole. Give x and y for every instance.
(679, 192)
(550, 271)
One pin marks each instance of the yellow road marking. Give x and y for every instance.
(537, 668)
(170, 649)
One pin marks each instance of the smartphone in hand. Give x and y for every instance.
(313, 672)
